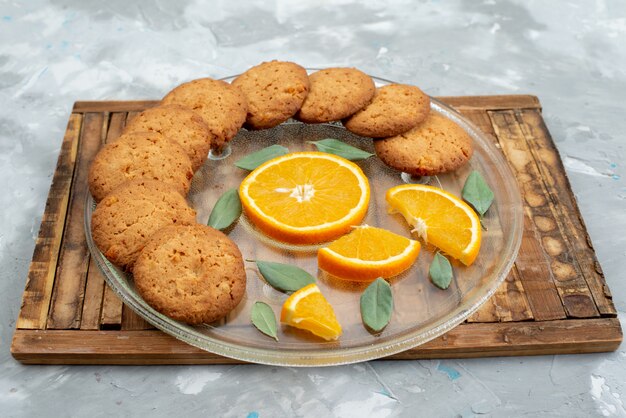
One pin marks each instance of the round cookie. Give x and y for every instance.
(139, 155)
(194, 274)
(335, 94)
(222, 106)
(396, 108)
(274, 90)
(178, 124)
(126, 218)
(435, 146)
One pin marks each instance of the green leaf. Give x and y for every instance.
(263, 319)
(252, 161)
(440, 271)
(226, 210)
(284, 277)
(334, 146)
(477, 193)
(376, 305)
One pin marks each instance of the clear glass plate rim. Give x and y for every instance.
(334, 356)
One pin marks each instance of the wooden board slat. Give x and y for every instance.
(111, 316)
(520, 101)
(553, 242)
(66, 305)
(116, 125)
(554, 176)
(111, 313)
(131, 115)
(114, 106)
(541, 308)
(573, 336)
(132, 321)
(504, 102)
(40, 281)
(535, 275)
(466, 340)
(92, 304)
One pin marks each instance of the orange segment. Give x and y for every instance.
(308, 309)
(439, 218)
(368, 253)
(305, 197)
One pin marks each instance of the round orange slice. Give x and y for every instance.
(308, 309)
(305, 197)
(439, 218)
(368, 253)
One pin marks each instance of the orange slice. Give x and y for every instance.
(367, 253)
(308, 309)
(439, 218)
(305, 197)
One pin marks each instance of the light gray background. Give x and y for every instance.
(572, 55)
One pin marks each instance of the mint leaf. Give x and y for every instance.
(284, 277)
(337, 147)
(477, 193)
(377, 305)
(252, 161)
(440, 271)
(262, 317)
(226, 210)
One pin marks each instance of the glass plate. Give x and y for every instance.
(421, 310)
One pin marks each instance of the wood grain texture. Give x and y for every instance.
(41, 273)
(522, 338)
(466, 340)
(116, 125)
(558, 186)
(496, 102)
(130, 116)
(114, 106)
(111, 313)
(541, 308)
(69, 285)
(552, 241)
(92, 303)
(132, 321)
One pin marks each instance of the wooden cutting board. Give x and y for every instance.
(555, 300)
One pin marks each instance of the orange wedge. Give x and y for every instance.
(367, 253)
(305, 197)
(308, 309)
(439, 218)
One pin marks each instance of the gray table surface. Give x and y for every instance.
(570, 54)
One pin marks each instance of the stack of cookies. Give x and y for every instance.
(143, 223)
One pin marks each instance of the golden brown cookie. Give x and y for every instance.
(139, 155)
(128, 216)
(396, 108)
(178, 124)
(193, 274)
(335, 94)
(435, 146)
(222, 106)
(274, 90)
